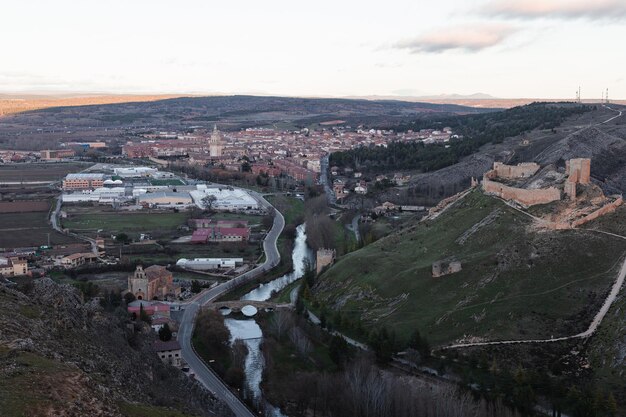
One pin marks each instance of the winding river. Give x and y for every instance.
(300, 255)
(249, 331)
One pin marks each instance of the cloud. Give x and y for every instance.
(562, 9)
(467, 38)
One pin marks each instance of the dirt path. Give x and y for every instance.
(595, 323)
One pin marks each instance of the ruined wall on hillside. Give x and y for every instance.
(609, 208)
(525, 197)
(523, 170)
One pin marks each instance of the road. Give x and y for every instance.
(54, 221)
(582, 129)
(203, 374)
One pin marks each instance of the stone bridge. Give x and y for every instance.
(237, 305)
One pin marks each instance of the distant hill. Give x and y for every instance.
(17, 103)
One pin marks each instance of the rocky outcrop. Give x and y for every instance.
(82, 360)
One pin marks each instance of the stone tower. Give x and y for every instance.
(138, 283)
(216, 144)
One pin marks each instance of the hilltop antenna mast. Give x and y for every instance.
(607, 96)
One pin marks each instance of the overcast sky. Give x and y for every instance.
(506, 48)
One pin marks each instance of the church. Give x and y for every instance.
(154, 282)
(216, 143)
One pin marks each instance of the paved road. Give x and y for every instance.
(203, 374)
(54, 221)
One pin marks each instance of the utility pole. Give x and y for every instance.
(607, 96)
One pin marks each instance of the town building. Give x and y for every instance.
(220, 234)
(83, 181)
(155, 282)
(154, 309)
(207, 264)
(13, 266)
(169, 352)
(165, 199)
(56, 154)
(77, 259)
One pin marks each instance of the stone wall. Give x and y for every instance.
(609, 208)
(579, 169)
(525, 197)
(523, 170)
(441, 268)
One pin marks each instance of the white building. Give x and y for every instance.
(205, 264)
(226, 199)
(135, 172)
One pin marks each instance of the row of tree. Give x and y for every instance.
(476, 130)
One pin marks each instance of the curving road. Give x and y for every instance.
(202, 372)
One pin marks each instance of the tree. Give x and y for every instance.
(165, 334)
(195, 286)
(420, 344)
(280, 323)
(339, 350)
(129, 297)
(122, 238)
(143, 316)
(208, 202)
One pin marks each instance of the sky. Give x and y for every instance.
(505, 48)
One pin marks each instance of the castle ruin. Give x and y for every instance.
(324, 258)
(577, 200)
(441, 268)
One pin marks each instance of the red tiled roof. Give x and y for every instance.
(161, 346)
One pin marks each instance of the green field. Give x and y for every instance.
(516, 282)
(290, 207)
(251, 219)
(170, 181)
(91, 220)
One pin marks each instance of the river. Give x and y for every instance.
(250, 332)
(300, 255)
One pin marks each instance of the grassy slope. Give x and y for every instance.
(608, 346)
(515, 283)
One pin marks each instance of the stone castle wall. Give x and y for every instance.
(523, 170)
(525, 197)
(579, 170)
(609, 208)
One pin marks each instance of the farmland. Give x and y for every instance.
(39, 172)
(28, 229)
(88, 220)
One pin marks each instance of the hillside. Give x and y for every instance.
(16, 103)
(516, 281)
(49, 126)
(61, 357)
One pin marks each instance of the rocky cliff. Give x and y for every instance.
(60, 356)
